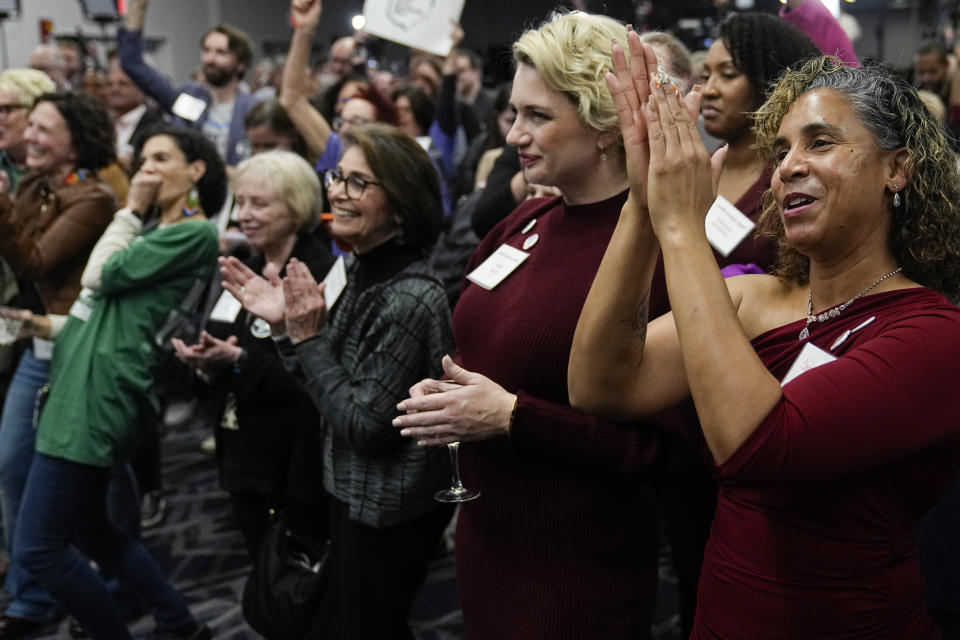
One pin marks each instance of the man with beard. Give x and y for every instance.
(217, 105)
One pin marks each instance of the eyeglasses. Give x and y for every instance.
(7, 109)
(355, 121)
(354, 186)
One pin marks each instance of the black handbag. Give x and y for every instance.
(286, 596)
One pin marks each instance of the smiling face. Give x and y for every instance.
(728, 96)
(13, 123)
(555, 147)
(49, 144)
(161, 156)
(364, 222)
(831, 180)
(263, 214)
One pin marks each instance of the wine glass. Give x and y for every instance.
(457, 492)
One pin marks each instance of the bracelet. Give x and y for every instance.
(240, 361)
(513, 413)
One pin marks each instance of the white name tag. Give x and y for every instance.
(188, 107)
(811, 357)
(726, 226)
(227, 308)
(336, 281)
(42, 349)
(82, 306)
(497, 267)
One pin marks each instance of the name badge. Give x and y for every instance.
(227, 308)
(336, 281)
(497, 267)
(42, 349)
(188, 107)
(811, 357)
(726, 226)
(82, 306)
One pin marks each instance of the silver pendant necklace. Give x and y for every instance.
(837, 310)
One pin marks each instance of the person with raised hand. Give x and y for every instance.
(807, 382)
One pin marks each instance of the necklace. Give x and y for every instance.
(835, 311)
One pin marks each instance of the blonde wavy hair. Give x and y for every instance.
(571, 52)
(925, 229)
(26, 84)
(290, 176)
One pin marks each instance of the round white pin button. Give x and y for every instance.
(532, 240)
(529, 226)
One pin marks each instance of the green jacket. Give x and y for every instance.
(102, 374)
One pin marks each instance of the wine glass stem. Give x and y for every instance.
(454, 449)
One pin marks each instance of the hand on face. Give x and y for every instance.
(144, 188)
(306, 310)
(465, 407)
(630, 88)
(263, 297)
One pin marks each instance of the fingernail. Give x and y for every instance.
(696, 88)
(614, 42)
(629, 27)
(421, 443)
(405, 432)
(656, 83)
(676, 90)
(397, 422)
(401, 407)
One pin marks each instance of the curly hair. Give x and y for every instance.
(925, 230)
(571, 52)
(26, 84)
(212, 186)
(762, 45)
(91, 133)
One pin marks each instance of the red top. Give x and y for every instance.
(562, 543)
(814, 529)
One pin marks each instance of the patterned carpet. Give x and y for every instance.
(202, 552)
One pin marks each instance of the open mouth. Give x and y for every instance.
(343, 213)
(797, 201)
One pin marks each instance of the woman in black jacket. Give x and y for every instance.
(267, 446)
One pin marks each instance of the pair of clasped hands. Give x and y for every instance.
(293, 305)
(672, 182)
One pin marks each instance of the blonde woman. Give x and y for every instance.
(562, 541)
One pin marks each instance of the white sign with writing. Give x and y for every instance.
(421, 24)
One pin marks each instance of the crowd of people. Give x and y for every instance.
(632, 293)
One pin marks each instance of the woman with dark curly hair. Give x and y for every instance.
(47, 230)
(752, 49)
(101, 385)
(825, 391)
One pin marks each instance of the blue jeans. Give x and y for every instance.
(64, 506)
(17, 439)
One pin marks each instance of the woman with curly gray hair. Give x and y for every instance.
(823, 390)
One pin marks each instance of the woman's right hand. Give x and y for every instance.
(263, 297)
(143, 191)
(305, 14)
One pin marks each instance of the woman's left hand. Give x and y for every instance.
(210, 355)
(465, 407)
(682, 176)
(306, 309)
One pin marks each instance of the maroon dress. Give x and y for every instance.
(814, 530)
(562, 542)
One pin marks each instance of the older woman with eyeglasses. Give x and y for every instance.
(387, 327)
